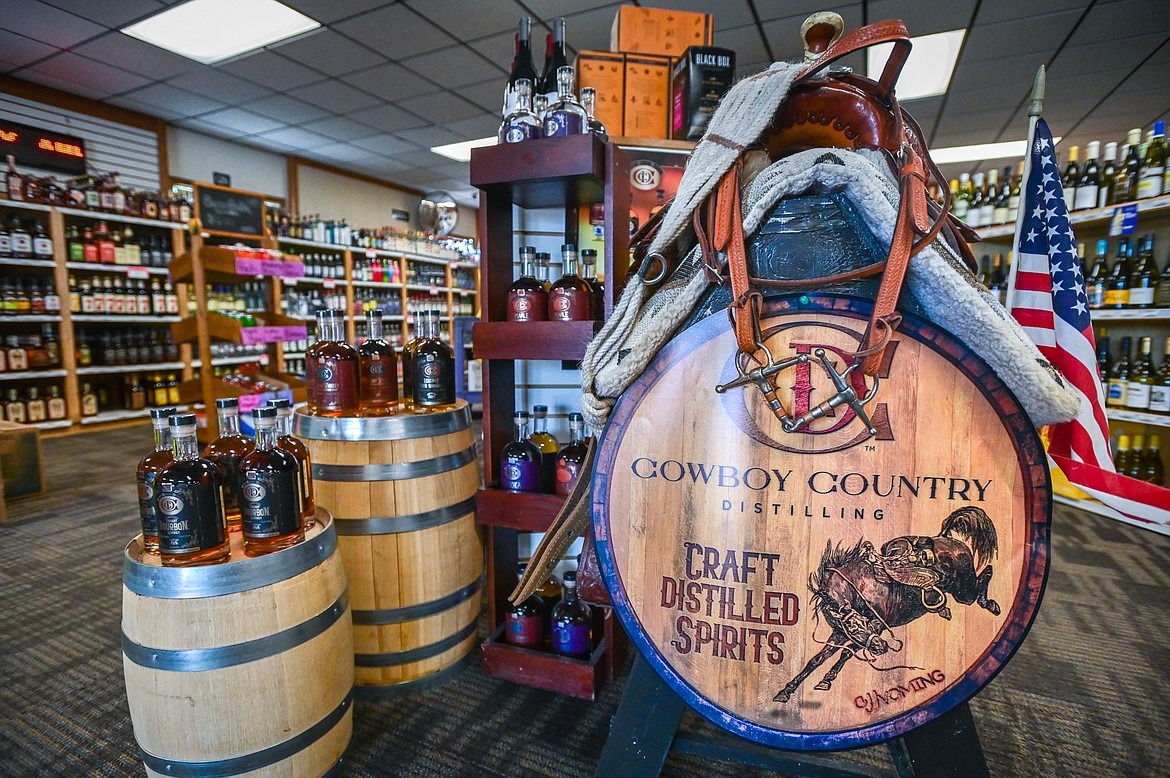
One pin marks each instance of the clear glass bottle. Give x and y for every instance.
(287, 441)
(565, 116)
(548, 446)
(148, 469)
(270, 491)
(522, 123)
(589, 103)
(432, 368)
(332, 369)
(1153, 165)
(379, 370)
(527, 297)
(520, 460)
(570, 298)
(192, 528)
(524, 621)
(572, 623)
(226, 451)
(542, 272)
(571, 458)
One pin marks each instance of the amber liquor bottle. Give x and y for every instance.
(570, 297)
(270, 491)
(148, 469)
(379, 370)
(527, 297)
(192, 529)
(572, 623)
(332, 369)
(596, 287)
(524, 621)
(543, 440)
(432, 368)
(226, 451)
(572, 457)
(286, 441)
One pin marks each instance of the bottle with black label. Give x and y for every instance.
(148, 469)
(555, 58)
(286, 441)
(432, 367)
(192, 529)
(42, 244)
(226, 451)
(270, 491)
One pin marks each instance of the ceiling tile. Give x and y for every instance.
(420, 158)
(286, 109)
(488, 95)
(89, 73)
(334, 96)
(726, 13)
(412, 176)
(429, 136)
(136, 56)
(340, 128)
(388, 118)
(272, 70)
(175, 100)
(390, 82)
(146, 108)
(47, 24)
(1007, 10)
(385, 144)
(330, 53)
(550, 9)
(211, 128)
(583, 31)
(784, 33)
(923, 19)
(479, 126)
(1121, 19)
(467, 19)
(383, 166)
(411, 33)
(111, 15)
(222, 86)
(343, 152)
(271, 145)
(1009, 72)
(500, 49)
(1088, 57)
(297, 138)
(746, 42)
(452, 169)
(44, 79)
(19, 50)
(796, 11)
(441, 107)
(244, 122)
(1033, 34)
(328, 11)
(454, 66)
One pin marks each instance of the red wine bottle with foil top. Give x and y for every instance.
(570, 298)
(527, 298)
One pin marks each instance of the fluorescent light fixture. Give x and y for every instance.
(980, 152)
(210, 31)
(928, 68)
(461, 152)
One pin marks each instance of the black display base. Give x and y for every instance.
(645, 727)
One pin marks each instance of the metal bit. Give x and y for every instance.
(845, 396)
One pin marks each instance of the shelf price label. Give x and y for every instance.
(246, 266)
(329, 283)
(137, 271)
(1124, 221)
(256, 336)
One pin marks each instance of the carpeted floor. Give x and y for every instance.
(1088, 694)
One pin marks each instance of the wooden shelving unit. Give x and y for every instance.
(561, 174)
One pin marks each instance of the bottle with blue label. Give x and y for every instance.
(566, 116)
(522, 123)
(520, 460)
(572, 623)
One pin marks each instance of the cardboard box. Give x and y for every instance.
(698, 82)
(605, 71)
(638, 30)
(647, 97)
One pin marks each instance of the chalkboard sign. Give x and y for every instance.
(229, 211)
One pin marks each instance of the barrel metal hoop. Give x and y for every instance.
(412, 612)
(182, 583)
(254, 761)
(412, 522)
(194, 660)
(394, 471)
(416, 654)
(392, 691)
(401, 427)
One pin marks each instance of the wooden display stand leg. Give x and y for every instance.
(643, 732)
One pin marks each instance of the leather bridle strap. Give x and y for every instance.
(727, 237)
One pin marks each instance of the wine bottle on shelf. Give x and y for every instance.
(1152, 469)
(520, 460)
(570, 297)
(1115, 396)
(1089, 182)
(1108, 176)
(1153, 165)
(1002, 207)
(1117, 284)
(1014, 197)
(1141, 378)
(521, 123)
(572, 623)
(555, 58)
(975, 209)
(527, 297)
(270, 492)
(192, 529)
(1129, 172)
(522, 67)
(548, 446)
(1133, 466)
(984, 274)
(990, 192)
(1142, 280)
(1095, 278)
(998, 283)
(1121, 454)
(1104, 359)
(961, 198)
(1160, 388)
(1071, 174)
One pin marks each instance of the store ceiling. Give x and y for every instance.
(381, 82)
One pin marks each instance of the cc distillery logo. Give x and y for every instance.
(324, 373)
(254, 492)
(806, 385)
(170, 504)
(645, 175)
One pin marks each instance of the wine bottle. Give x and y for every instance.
(1014, 198)
(1141, 277)
(554, 59)
(990, 192)
(1002, 208)
(1153, 165)
(571, 458)
(975, 209)
(1117, 285)
(959, 203)
(520, 460)
(1108, 176)
(1103, 357)
(1121, 455)
(522, 67)
(1152, 469)
(1160, 388)
(572, 623)
(548, 446)
(1088, 185)
(1162, 293)
(1133, 467)
(1071, 174)
(1141, 378)
(1115, 397)
(1097, 275)
(1129, 173)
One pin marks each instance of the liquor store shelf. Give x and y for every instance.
(1089, 216)
(29, 375)
(99, 267)
(1137, 417)
(31, 318)
(28, 262)
(359, 251)
(376, 285)
(428, 288)
(144, 367)
(221, 361)
(120, 319)
(95, 215)
(56, 424)
(1119, 314)
(123, 415)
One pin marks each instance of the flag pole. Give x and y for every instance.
(1035, 108)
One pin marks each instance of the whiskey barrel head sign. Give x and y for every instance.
(830, 587)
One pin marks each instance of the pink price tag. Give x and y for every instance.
(329, 283)
(255, 336)
(248, 267)
(137, 271)
(249, 402)
(269, 267)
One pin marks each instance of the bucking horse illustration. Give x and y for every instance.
(863, 593)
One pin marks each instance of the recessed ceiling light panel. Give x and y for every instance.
(210, 31)
(928, 68)
(461, 152)
(981, 152)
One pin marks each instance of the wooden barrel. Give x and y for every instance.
(240, 667)
(402, 491)
(825, 588)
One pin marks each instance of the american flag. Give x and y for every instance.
(1047, 298)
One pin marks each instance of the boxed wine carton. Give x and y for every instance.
(647, 103)
(699, 80)
(605, 71)
(638, 30)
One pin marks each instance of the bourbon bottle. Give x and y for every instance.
(527, 297)
(525, 620)
(520, 460)
(572, 457)
(570, 297)
(286, 441)
(548, 446)
(226, 451)
(148, 469)
(270, 491)
(379, 370)
(332, 369)
(432, 368)
(572, 623)
(192, 529)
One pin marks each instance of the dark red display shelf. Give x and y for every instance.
(545, 173)
(524, 511)
(565, 340)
